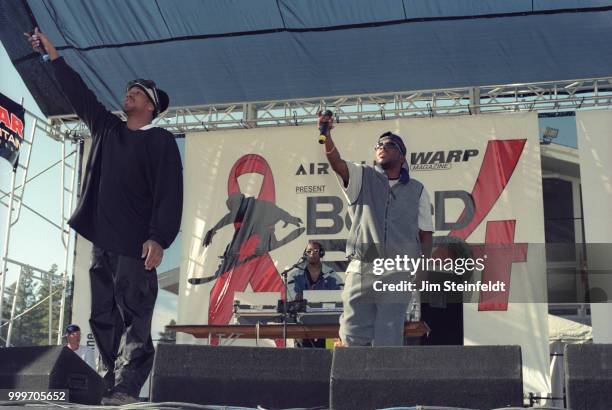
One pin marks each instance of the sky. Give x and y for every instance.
(34, 241)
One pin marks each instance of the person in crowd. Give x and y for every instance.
(73, 342)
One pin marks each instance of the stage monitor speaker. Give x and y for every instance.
(531, 408)
(481, 377)
(241, 376)
(588, 376)
(43, 368)
(428, 408)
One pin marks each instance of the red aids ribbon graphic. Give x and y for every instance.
(248, 164)
(248, 266)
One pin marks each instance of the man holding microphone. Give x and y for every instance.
(391, 216)
(130, 209)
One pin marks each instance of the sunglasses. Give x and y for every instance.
(149, 87)
(312, 251)
(387, 146)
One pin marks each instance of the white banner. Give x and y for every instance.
(595, 147)
(249, 186)
(81, 299)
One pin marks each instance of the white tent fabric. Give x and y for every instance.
(568, 331)
(222, 52)
(561, 332)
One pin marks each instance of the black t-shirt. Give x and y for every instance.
(309, 280)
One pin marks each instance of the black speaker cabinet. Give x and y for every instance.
(588, 376)
(43, 368)
(480, 377)
(241, 376)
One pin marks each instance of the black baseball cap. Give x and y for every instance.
(395, 138)
(158, 97)
(72, 329)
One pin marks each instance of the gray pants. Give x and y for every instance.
(123, 296)
(368, 318)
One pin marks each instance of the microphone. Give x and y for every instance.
(302, 260)
(324, 126)
(44, 56)
(201, 281)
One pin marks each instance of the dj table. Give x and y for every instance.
(275, 331)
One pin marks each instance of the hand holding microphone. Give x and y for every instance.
(38, 41)
(325, 124)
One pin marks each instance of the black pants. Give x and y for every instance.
(123, 296)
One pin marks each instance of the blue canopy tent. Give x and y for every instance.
(215, 52)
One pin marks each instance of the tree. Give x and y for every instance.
(41, 327)
(6, 311)
(33, 327)
(41, 316)
(20, 335)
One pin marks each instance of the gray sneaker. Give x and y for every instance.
(118, 398)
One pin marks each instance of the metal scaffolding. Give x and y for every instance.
(557, 96)
(68, 163)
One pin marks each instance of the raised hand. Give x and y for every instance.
(329, 119)
(41, 43)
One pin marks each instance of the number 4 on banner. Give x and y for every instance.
(501, 252)
(497, 167)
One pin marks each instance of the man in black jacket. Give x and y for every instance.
(130, 209)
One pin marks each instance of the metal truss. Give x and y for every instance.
(557, 96)
(57, 283)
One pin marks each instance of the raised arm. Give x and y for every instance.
(83, 101)
(331, 151)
